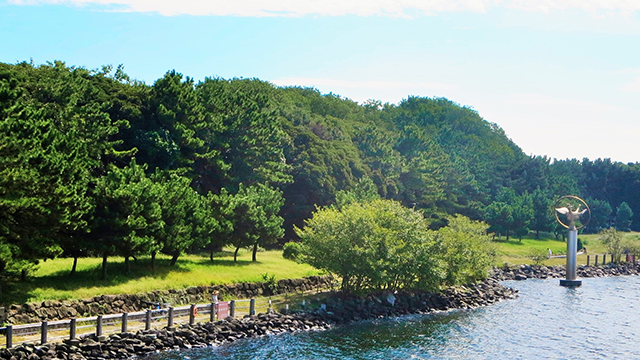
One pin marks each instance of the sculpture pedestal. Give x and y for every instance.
(570, 283)
(572, 249)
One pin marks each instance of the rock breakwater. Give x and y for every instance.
(524, 272)
(335, 309)
(113, 304)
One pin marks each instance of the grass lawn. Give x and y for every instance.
(519, 252)
(51, 281)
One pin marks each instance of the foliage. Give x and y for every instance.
(623, 217)
(614, 241)
(68, 136)
(467, 250)
(291, 251)
(382, 245)
(374, 245)
(539, 255)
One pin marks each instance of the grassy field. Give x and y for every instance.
(519, 252)
(52, 281)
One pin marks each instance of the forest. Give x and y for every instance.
(95, 163)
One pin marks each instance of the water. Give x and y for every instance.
(596, 321)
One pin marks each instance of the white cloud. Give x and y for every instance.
(293, 8)
(633, 86)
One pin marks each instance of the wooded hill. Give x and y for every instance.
(95, 163)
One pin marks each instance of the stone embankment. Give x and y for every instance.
(524, 272)
(114, 304)
(336, 309)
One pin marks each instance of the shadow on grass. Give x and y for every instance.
(15, 291)
(225, 262)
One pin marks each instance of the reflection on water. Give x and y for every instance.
(547, 321)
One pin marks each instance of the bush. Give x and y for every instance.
(291, 251)
(382, 245)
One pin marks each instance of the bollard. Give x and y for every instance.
(192, 314)
(99, 325)
(212, 315)
(170, 318)
(588, 259)
(125, 320)
(72, 329)
(252, 307)
(9, 336)
(232, 308)
(43, 333)
(147, 320)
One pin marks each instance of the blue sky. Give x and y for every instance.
(562, 78)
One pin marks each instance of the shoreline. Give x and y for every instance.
(338, 309)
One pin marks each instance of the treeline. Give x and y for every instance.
(95, 163)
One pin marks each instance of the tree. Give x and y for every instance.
(255, 217)
(468, 250)
(373, 246)
(623, 217)
(614, 241)
(543, 218)
(128, 214)
(500, 217)
(600, 215)
(187, 220)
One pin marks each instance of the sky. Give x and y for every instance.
(561, 77)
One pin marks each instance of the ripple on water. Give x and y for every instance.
(595, 321)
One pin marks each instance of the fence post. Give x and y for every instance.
(588, 259)
(9, 336)
(596, 260)
(252, 307)
(125, 320)
(192, 314)
(72, 329)
(232, 308)
(147, 320)
(170, 317)
(99, 325)
(212, 315)
(43, 333)
(604, 259)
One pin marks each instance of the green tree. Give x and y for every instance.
(623, 217)
(468, 250)
(543, 219)
(128, 214)
(255, 217)
(614, 241)
(600, 215)
(373, 245)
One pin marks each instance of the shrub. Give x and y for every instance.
(291, 251)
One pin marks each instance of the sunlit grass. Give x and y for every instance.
(517, 252)
(51, 281)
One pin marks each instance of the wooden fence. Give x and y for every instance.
(51, 331)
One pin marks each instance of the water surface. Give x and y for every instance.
(596, 321)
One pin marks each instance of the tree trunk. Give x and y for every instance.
(23, 275)
(153, 260)
(126, 265)
(235, 255)
(211, 255)
(537, 234)
(174, 258)
(255, 251)
(74, 267)
(103, 275)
